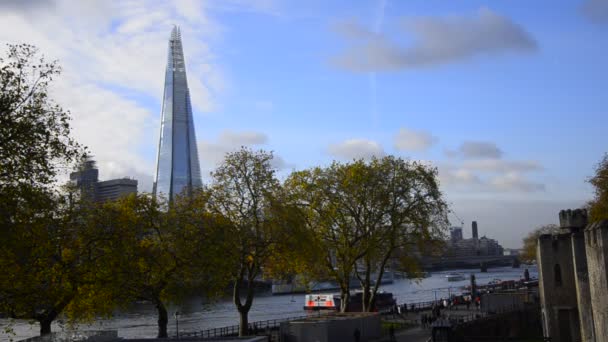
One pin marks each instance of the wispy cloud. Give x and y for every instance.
(355, 149)
(481, 168)
(113, 55)
(595, 10)
(476, 149)
(411, 140)
(437, 41)
(212, 153)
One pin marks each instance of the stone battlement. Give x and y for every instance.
(573, 219)
(595, 231)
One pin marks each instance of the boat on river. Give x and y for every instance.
(331, 301)
(454, 277)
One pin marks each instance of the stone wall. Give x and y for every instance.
(522, 324)
(583, 292)
(337, 327)
(557, 287)
(596, 243)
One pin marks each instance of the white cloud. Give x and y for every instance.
(502, 166)
(112, 52)
(514, 181)
(356, 148)
(211, 154)
(245, 138)
(436, 41)
(458, 177)
(477, 149)
(490, 176)
(410, 140)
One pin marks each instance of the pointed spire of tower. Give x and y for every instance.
(177, 166)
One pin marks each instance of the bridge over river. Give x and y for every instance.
(469, 262)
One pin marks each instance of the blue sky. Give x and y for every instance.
(507, 98)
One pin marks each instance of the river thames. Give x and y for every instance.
(140, 320)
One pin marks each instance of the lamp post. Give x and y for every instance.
(177, 323)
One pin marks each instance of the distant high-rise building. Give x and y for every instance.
(86, 180)
(177, 166)
(457, 246)
(456, 233)
(113, 189)
(474, 228)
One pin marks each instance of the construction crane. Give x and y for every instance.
(458, 217)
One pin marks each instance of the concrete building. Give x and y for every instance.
(455, 234)
(572, 279)
(114, 189)
(86, 180)
(459, 247)
(474, 230)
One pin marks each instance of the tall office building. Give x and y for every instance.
(456, 234)
(86, 180)
(474, 230)
(177, 166)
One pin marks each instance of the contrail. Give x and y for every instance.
(377, 27)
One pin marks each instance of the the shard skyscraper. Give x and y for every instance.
(177, 166)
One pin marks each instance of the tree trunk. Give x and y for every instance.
(243, 322)
(365, 286)
(374, 290)
(45, 327)
(243, 308)
(344, 298)
(163, 319)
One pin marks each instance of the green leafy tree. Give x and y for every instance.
(161, 255)
(246, 192)
(403, 211)
(528, 254)
(44, 257)
(598, 207)
(35, 142)
(52, 266)
(365, 214)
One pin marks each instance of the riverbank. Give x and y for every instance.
(140, 319)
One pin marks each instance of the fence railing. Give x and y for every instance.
(254, 327)
(273, 324)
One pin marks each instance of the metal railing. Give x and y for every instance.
(254, 327)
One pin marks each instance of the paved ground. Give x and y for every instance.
(418, 333)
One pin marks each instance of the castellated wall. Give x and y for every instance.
(596, 243)
(583, 293)
(557, 287)
(575, 221)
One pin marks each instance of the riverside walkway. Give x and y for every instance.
(409, 325)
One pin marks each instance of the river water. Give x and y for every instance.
(140, 319)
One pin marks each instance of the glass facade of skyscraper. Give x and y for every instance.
(177, 165)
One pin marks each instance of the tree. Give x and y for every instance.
(528, 254)
(160, 256)
(366, 213)
(247, 194)
(407, 212)
(52, 265)
(43, 255)
(598, 207)
(35, 142)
